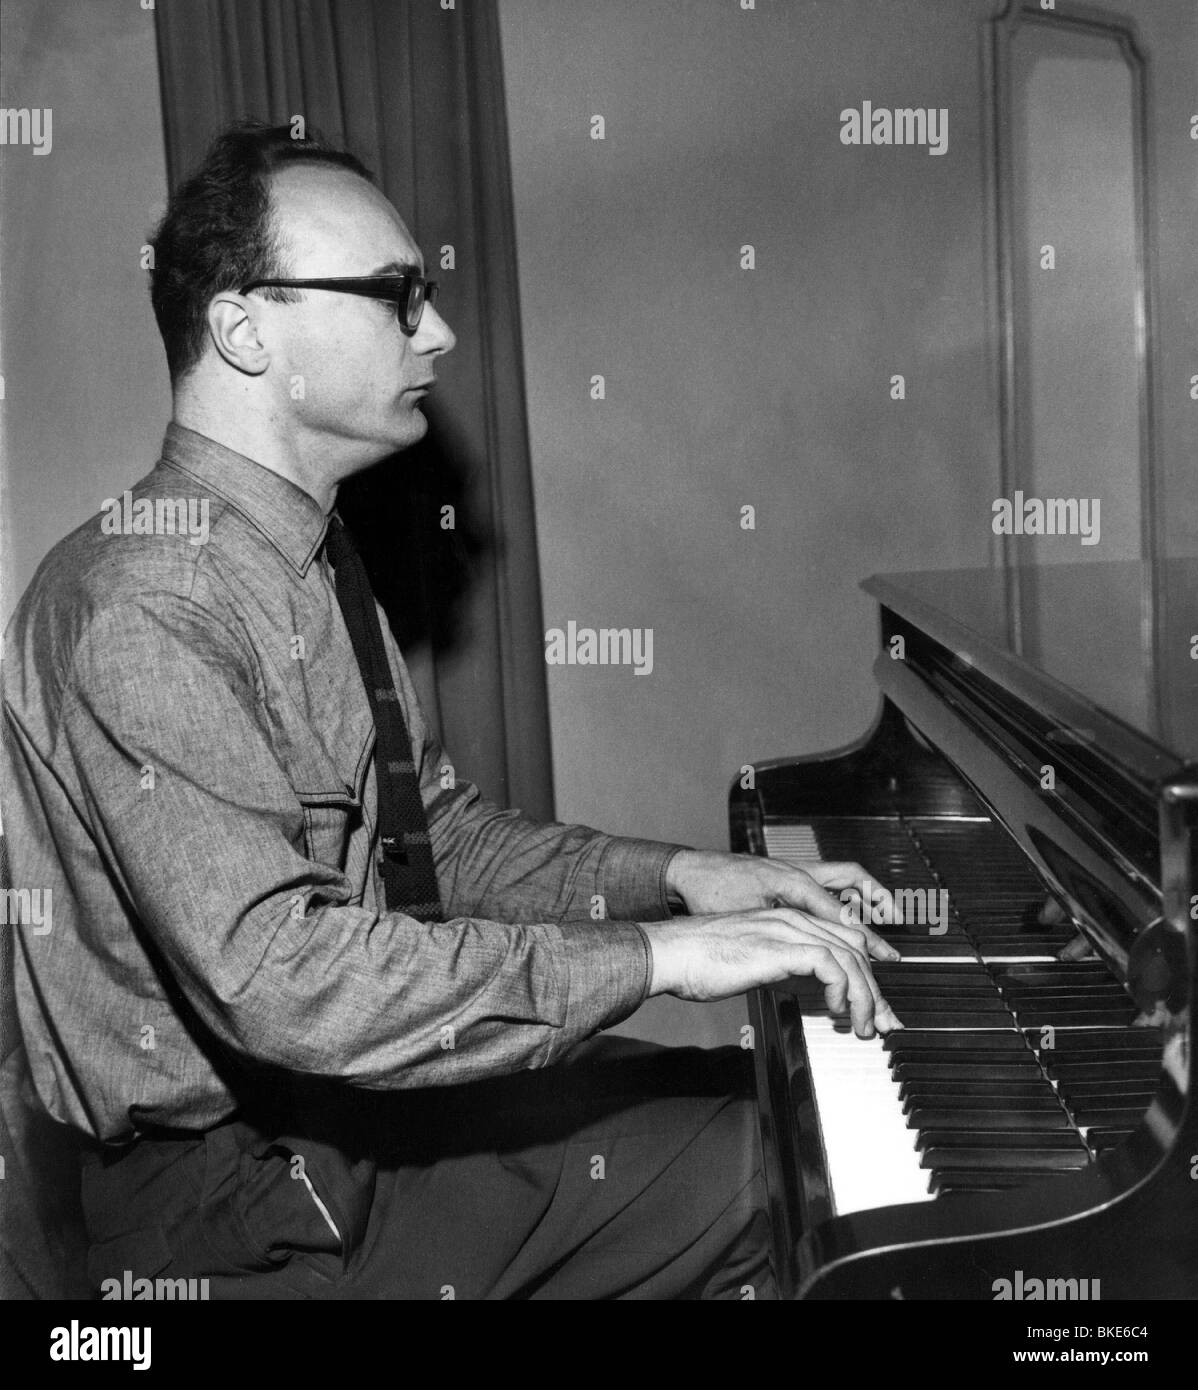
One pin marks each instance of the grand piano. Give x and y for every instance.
(1034, 772)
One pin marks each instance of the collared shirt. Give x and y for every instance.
(187, 777)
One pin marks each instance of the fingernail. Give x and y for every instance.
(892, 954)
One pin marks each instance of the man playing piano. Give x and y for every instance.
(322, 1023)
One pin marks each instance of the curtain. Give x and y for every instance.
(415, 90)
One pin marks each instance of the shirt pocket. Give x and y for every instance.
(331, 801)
(327, 831)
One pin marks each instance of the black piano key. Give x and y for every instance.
(1099, 1039)
(991, 1117)
(949, 1183)
(1048, 977)
(1086, 996)
(1041, 1098)
(1066, 1072)
(1108, 1116)
(1083, 1090)
(962, 1088)
(1020, 1160)
(1014, 1139)
(1084, 1018)
(919, 1040)
(913, 947)
(1107, 1057)
(946, 1071)
(967, 1062)
(928, 1018)
(996, 948)
(896, 978)
(1075, 1002)
(978, 986)
(1107, 1138)
(933, 972)
(922, 1002)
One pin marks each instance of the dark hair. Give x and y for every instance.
(217, 233)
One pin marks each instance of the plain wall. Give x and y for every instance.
(86, 391)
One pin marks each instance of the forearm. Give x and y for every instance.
(385, 1002)
(502, 865)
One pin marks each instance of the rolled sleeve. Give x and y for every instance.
(632, 874)
(610, 973)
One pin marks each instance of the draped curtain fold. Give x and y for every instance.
(416, 92)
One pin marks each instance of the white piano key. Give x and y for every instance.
(794, 844)
(871, 1155)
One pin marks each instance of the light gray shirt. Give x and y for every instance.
(187, 772)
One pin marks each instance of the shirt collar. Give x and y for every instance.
(289, 517)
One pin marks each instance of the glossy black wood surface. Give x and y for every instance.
(967, 729)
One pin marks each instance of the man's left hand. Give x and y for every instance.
(710, 882)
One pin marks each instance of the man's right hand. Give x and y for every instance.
(705, 958)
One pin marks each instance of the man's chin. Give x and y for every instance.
(410, 429)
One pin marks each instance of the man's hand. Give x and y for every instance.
(759, 921)
(705, 958)
(709, 882)
(1052, 914)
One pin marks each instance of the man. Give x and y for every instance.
(308, 1063)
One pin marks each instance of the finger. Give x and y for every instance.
(851, 941)
(865, 1010)
(854, 915)
(879, 947)
(842, 875)
(1078, 949)
(820, 962)
(805, 895)
(844, 987)
(1052, 914)
(859, 939)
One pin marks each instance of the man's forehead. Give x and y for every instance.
(332, 222)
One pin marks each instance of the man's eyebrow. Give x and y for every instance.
(399, 268)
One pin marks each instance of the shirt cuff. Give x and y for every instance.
(609, 979)
(632, 878)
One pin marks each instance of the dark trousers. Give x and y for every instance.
(626, 1171)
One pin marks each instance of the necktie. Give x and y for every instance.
(406, 858)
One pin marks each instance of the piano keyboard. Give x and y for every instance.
(1012, 1066)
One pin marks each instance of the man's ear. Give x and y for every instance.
(235, 334)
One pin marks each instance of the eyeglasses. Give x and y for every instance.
(409, 293)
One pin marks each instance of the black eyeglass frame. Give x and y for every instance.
(395, 288)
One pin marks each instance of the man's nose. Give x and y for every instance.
(433, 334)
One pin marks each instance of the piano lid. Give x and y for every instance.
(1084, 641)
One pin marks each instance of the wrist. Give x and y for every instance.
(676, 872)
(655, 934)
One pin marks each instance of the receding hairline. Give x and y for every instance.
(292, 177)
